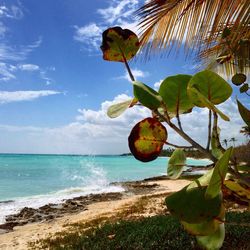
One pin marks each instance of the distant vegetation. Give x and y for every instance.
(241, 152)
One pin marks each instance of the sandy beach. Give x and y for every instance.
(107, 205)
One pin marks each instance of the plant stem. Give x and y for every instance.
(177, 146)
(216, 134)
(186, 137)
(179, 121)
(128, 69)
(209, 129)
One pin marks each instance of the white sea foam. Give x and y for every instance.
(94, 183)
(12, 207)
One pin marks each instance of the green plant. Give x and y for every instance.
(199, 206)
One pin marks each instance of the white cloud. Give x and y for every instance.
(3, 30)
(137, 73)
(28, 67)
(118, 13)
(6, 72)
(13, 12)
(157, 85)
(94, 132)
(89, 34)
(44, 76)
(118, 10)
(8, 53)
(18, 96)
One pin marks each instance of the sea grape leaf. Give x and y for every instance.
(117, 109)
(194, 93)
(210, 85)
(244, 88)
(119, 44)
(191, 206)
(173, 91)
(206, 227)
(171, 115)
(235, 187)
(146, 95)
(147, 139)
(238, 79)
(218, 176)
(244, 112)
(176, 163)
(201, 181)
(203, 228)
(217, 149)
(212, 241)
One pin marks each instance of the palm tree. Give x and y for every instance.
(233, 140)
(217, 29)
(245, 130)
(225, 142)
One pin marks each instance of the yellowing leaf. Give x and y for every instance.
(238, 189)
(119, 44)
(212, 241)
(147, 139)
(116, 110)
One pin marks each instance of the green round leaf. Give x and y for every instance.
(213, 241)
(244, 88)
(146, 95)
(176, 163)
(173, 91)
(201, 229)
(206, 103)
(213, 87)
(147, 139)
(238, 79)
(119, 44)
(244, 112)
(191, 206)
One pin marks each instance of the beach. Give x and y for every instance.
(106, 205)
(40, 194)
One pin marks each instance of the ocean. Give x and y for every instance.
(36, 180)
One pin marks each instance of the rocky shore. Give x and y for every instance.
(78, 204)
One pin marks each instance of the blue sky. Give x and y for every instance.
(55, 87)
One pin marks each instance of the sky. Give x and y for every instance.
(55, 87)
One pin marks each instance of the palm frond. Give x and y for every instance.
(199, 24)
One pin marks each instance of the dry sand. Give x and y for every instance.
(21, 235)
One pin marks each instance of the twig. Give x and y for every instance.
(179, 121)
(209, 129)
(177, 146)
(128, 68)
(186, 137)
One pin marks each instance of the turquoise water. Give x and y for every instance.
(35, 180)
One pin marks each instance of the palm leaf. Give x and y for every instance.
(199, 24)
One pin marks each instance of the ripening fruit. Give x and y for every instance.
(238, 79)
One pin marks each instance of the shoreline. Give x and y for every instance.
(75, 204)
(27, 226)
(55, 205)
